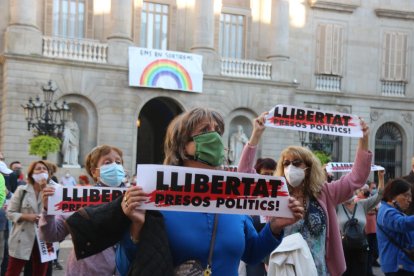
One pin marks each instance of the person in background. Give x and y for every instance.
(4, 227)
(410, 179)
(263, 166)
(16, 167)
(362, 193)
(134, 180)
(68, 180)
(105, 165)
(371, 229)
(55, 263)
(53, 169)
(357, 260)
(23, 210)
(83, 180)
(3, 220)
(10, 178)
(307, 182)
(393, 223)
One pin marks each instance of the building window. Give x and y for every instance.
(232, 35)
(69, 18)
(394, 64)
(329, 57)
(154, 25)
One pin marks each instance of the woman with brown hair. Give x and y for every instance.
(153, 243)
(24, 211)
(104, 165)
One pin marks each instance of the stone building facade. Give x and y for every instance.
(352, 56)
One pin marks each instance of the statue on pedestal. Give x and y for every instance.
(237, 142)
(70, 145)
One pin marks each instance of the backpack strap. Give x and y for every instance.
(346, 212)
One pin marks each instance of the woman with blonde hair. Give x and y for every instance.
(307, 183)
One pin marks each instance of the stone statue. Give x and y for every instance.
(237, 142)
(70, 145)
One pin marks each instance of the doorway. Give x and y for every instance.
(152, 124)
(388, 150)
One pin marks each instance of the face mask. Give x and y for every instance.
(67, 175)
(112, 174)
(18, 171)
(38, 177)
(294, 175)
(374, 191)
(209, 149)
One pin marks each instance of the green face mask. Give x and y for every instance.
(209, 148)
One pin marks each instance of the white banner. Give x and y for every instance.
(165, 69)
(213, 191)
(314, 120)
(47, 253)
(333, 167)
(68, 200)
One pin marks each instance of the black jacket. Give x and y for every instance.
(94, 229)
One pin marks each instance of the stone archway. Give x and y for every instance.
(388, 149)
(152, 124)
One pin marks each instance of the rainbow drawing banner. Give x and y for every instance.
(165, 69)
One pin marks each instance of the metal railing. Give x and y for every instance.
(75, 49)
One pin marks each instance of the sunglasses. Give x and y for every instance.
(296, 163)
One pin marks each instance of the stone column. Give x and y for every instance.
(22, 34)
(121, 26)
(279, 44)
(203, 36)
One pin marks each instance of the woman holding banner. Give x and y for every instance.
(23, 210)
(307, 182)
(154, 243)
(104, 165)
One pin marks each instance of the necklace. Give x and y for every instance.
(304, 205)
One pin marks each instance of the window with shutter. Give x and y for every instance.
(329, 56)
(394, 63)
(329, 44)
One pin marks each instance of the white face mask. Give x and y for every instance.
(294, 175)
(37, 177)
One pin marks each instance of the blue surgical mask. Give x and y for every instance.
(112, 174)
(374, 191)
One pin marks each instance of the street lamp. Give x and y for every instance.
(46, 118)
(302, 137)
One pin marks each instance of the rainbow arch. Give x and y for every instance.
(159, 68)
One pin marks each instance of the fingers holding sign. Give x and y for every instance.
(278, 223)
(132, 201)
(47, 191)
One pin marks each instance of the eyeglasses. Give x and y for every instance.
(296, 163)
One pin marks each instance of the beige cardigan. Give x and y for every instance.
(22, 235)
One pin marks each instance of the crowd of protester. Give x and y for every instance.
(325, 208)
